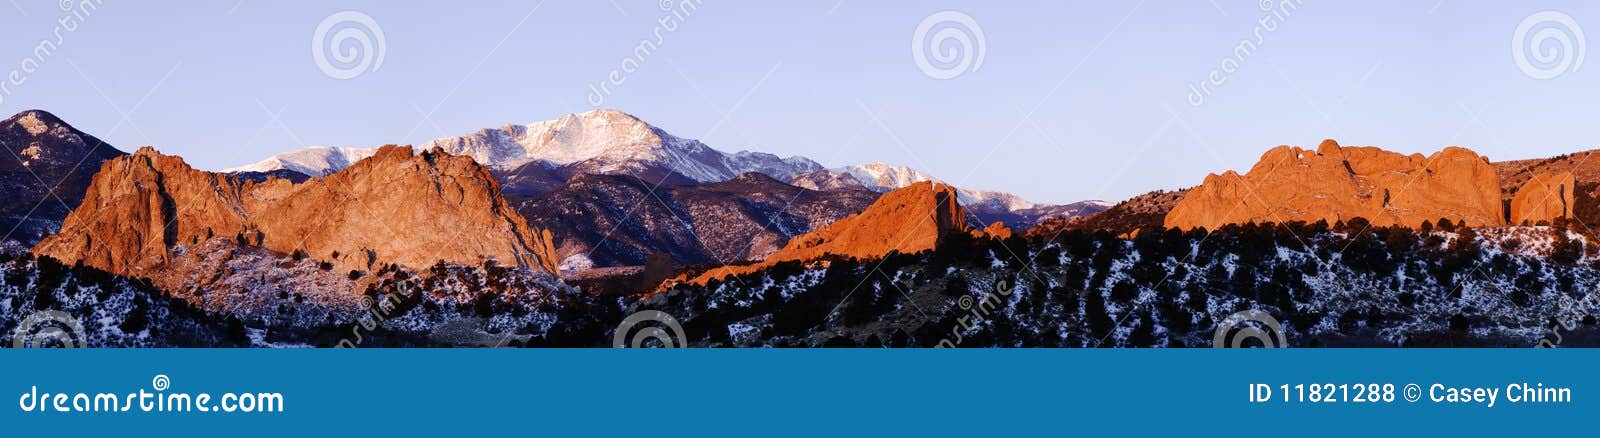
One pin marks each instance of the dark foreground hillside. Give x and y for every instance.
(1383, 287)
(1329, 286)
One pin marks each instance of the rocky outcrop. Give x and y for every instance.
(1584, 166)
(997, 230)
(1545, 197)
(1337, 183)
(43, 173)
(909, 220)
(395, 207)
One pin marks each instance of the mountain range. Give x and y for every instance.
(538, 157)
(665, 194)
(619, 220)
(479, 240)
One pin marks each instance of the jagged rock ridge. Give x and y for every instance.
(1337, 183)
(394, 207)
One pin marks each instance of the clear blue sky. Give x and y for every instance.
(1409, 76)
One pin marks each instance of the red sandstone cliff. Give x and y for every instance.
(1339, 183)
(1545, 197)
(395, 207)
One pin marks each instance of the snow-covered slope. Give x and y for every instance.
(312, 161)
(1506, 287)
(883, 177)
(600, 141)
(607, 141)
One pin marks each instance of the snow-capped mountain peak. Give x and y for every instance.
(312, 161)
(602, 141)
(599, 134)
(883, 177)
(611, 142)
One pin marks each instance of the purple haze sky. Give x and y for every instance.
(1072, 100)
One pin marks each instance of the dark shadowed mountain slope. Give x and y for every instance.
(261, 177)
(610, 220)
(1144, 211)
(43, 173)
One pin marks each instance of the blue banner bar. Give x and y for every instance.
(526, 392)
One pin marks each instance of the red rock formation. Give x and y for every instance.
(1339, 183)
(1544, 198)
(997, 230)
(909, 220)
(395, 207)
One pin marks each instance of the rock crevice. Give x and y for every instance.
(1545, 197)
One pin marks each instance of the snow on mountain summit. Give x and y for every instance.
(600, 134)
(611, 142)
(312, 161)
(883, 177)
(601, 141)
